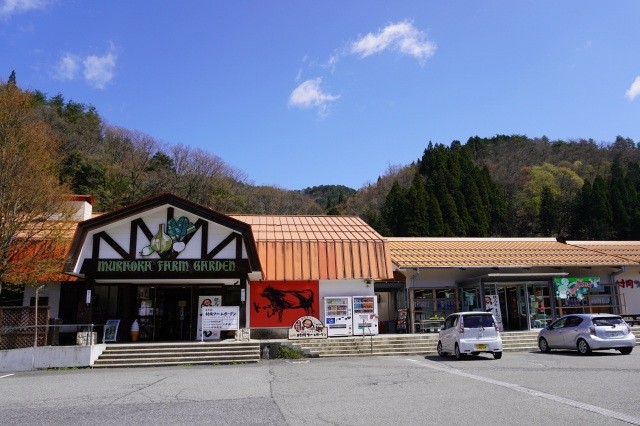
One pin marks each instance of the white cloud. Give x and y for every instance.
(97, 71)
(634, 90)
(67, 67)
(13, 7)
(310, 95)
(332, 62)
(100, 70)
(402, 36)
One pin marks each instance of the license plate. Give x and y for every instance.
(615, 333)
(481, 347)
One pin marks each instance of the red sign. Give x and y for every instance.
(281, 303)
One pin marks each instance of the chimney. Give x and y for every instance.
(82, 207)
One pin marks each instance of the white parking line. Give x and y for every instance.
(588, 407)
(6, 375)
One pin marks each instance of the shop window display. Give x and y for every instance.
(432, 306)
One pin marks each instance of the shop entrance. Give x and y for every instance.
(519, 306)
(165, 313)
(175, 323)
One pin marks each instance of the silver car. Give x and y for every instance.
(586, 333)
(470, 333)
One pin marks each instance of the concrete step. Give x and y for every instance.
(410, 344)
(149, 354)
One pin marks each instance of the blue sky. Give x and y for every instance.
(301, 93)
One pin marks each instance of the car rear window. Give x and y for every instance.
(607, 321)
(477, 321)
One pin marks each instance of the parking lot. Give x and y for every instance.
(527, 388)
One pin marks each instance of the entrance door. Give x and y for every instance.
(174, 323)
(516, 308)
(512, 302)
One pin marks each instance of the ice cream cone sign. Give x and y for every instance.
(135, 330)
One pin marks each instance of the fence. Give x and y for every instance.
(18, 326)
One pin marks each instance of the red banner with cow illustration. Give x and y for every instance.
(281, 303)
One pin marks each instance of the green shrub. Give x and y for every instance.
(290, 353)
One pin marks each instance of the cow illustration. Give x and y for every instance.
(279, 300)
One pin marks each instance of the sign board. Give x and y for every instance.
(205, 301)
(160, 268)
(110, 331)
(575, 287)
(308, 327)
(492, 304)
(220, 317)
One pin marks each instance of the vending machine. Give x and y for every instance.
(337, 316)
(365, 315)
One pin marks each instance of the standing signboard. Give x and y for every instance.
(219, 318)
(110, 330)
(207, 301)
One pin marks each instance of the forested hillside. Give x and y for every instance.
(507, 185)
(517, 186)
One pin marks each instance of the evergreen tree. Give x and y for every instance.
(548, 218)
(601, 215)
(417, 215)
(620, 201)
(632, 182)
(437, 227)
(581, 223)
(394, 211)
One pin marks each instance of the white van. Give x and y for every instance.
(471, 333)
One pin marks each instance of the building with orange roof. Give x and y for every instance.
(159, 262)
(527, 282)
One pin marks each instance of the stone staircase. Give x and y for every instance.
(183, 353)
(404, 344)
(232, 352)
(385, 344)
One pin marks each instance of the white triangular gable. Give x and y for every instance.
(163, 241)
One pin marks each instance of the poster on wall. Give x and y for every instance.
(308, 327)
(280, 304)
(492, 303)
(206, 301)
(575, 287)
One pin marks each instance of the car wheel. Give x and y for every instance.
(439, 349)
(583, 347)
(497, 355)
(544, 345)
(625, 351)
(459, 355)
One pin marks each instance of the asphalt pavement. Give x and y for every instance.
(524, 388)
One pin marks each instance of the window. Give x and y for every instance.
(449, 322)
(609, 321)
(573, 322)
(558, 324)
(477, 321)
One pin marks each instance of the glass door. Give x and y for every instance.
(515, 301)
(539, 304)
(509, 304)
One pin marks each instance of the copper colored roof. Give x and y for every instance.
(627, 250)
(495, 252)
(318, 248)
